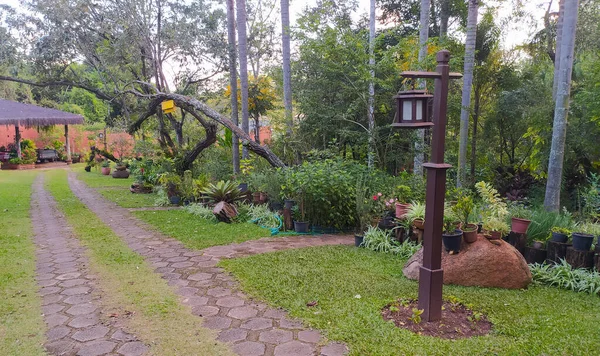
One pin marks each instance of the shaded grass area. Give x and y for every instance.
(197, 233)
(115, 190)
(536, 321)
(130, 284)
(21, 326)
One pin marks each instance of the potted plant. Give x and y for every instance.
(300, 223)
(451, 236)
(520, 218)
(495, 228)
(463, 209)
(172, 184)
(584, 237)
(560, 234)
(105, 167)
(401, 193)
(415, 216)
(187, 187)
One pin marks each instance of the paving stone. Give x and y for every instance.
(78, 299)
(200, 276)
(249, 348)
(160, 264)
(219, 292)
(120, 335)
(76, 291)
(232, 335)
(80, 309)
(61, 347)
(49, 290)
(170, 276)
(200, 258)
(195, 301)
(312, 336)
(276, 336)
(182, 264)
(294, 348)
(66, 270)
(134, 348)
(334, 349)
(47, 283)
(178, 282)
(187, 291)
(57, 332)
(73, 282)
(84, 321)
(209, 263)
(55, 320)
(45, 276)
(230, 302)
(242, 313)
(257, 324)
(290, 324)
(217, 322)
(96, 348)
(274, 313)
(164, 270)
(178, 259)
(52, 308)
(92, 333)
(205, 310)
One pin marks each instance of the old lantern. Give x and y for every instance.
(412, 109)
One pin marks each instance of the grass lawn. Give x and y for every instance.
(198, 233)
(536, 321)
(116, 190)
(131, 285)
(21, 326)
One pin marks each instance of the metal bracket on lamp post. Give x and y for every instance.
(431, 276)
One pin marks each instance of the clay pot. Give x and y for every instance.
(106, 171)
(494, 235)
(470, 233)
(419, 223)
(401, 210)
(519, 226)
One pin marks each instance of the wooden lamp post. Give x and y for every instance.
(409, 105)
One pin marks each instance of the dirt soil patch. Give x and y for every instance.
(457, 320)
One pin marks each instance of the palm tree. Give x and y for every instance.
(287, 68)
(371, 113)
(466, 91)
(561, 108)
(233, 82)
(423, 37)
(243, 52)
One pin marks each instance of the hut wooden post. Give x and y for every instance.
(18, 141)
(67, 144)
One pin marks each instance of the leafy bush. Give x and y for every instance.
(564, 276)
(162, 199)
(28, 152)
(591, 197)
(201, 211)
(226, 191)
(543, 221)
(379, 240)
(261, 215)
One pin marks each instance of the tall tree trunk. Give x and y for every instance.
(371, 113)
(233, 82)
(287, 67)
(243, 52)
(561, 108)
(557, 55)
(423, 37)
(477, 109)
(466, 91)
(444, 17)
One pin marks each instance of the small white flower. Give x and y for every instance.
(357, 296)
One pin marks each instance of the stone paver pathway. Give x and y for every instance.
(70, 302)
(251, 327)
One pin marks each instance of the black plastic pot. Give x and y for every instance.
(301, 226)
(598, 246)
(174, 199)
(288, 204)
(479, 227)
(582, 242)
(358, 240)
(452, 241)
(243, 187)
(558, 237)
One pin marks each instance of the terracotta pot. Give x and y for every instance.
(106, 171)
(494, 235)
(520, 226)
(419, 223)
(470, 233)
(263, 197)
(401, 210)
(256, 197)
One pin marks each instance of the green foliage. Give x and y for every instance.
(464, 207)
(161, 199)
(492, 207)
(262, 216)
(226, 191)
(542, 223)
(363, 206)
(591, 197)
(171, 182)
(564, 276)
(379, 240)
(416, 315)
(201, 211)
(187, 186)
(28, 152)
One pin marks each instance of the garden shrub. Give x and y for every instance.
(379, 240)
(28, 152)
(564, 276)
(201, 211)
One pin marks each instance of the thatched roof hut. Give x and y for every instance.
(19, 114)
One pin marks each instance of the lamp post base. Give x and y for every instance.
(430, 293)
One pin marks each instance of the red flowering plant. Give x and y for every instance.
(383, 205)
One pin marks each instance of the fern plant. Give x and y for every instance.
(226, 191)
(563, 276)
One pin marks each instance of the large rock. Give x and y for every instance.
(483, 263)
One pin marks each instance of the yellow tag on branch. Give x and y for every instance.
(168, 106)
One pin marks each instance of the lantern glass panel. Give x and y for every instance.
(407, 110)
(419, 116)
